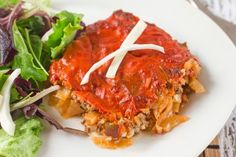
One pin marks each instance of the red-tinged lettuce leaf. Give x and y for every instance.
(8, 20)
(30, 111)
(21, 89)
(4, 12)
(44, 115)
(24, 87)
(33, 109)
(7, 52)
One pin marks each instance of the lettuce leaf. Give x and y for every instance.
(15, 96)
(32, 28)
(34, 24)
(3, 78)
(26, 141)
(25, 60)
(5, 3)
(64, 32)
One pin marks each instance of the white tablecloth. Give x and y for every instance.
(223, 8)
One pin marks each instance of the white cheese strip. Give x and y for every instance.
(5, 116)
(118, 52)
(134, 34)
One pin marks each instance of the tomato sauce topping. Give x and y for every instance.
(142, 74)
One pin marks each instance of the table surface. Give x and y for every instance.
(224, 145)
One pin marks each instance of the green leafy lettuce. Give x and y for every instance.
(5, 3)
(15, 96)
(64, 31)
(34, 24)
(3, 78)
(25, 142)
(26, 58)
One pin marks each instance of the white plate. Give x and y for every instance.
(208, 112)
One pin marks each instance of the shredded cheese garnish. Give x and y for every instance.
(5, 116)
(134, 34)
(118, 52)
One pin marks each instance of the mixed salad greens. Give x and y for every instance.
(26, 140)
(32, 34)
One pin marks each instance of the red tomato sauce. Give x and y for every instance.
(142, 74)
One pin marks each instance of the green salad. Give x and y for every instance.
(32, 35)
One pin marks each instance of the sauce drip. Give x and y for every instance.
(102, 142)
(142, 74)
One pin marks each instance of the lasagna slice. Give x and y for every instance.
(149, 88)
